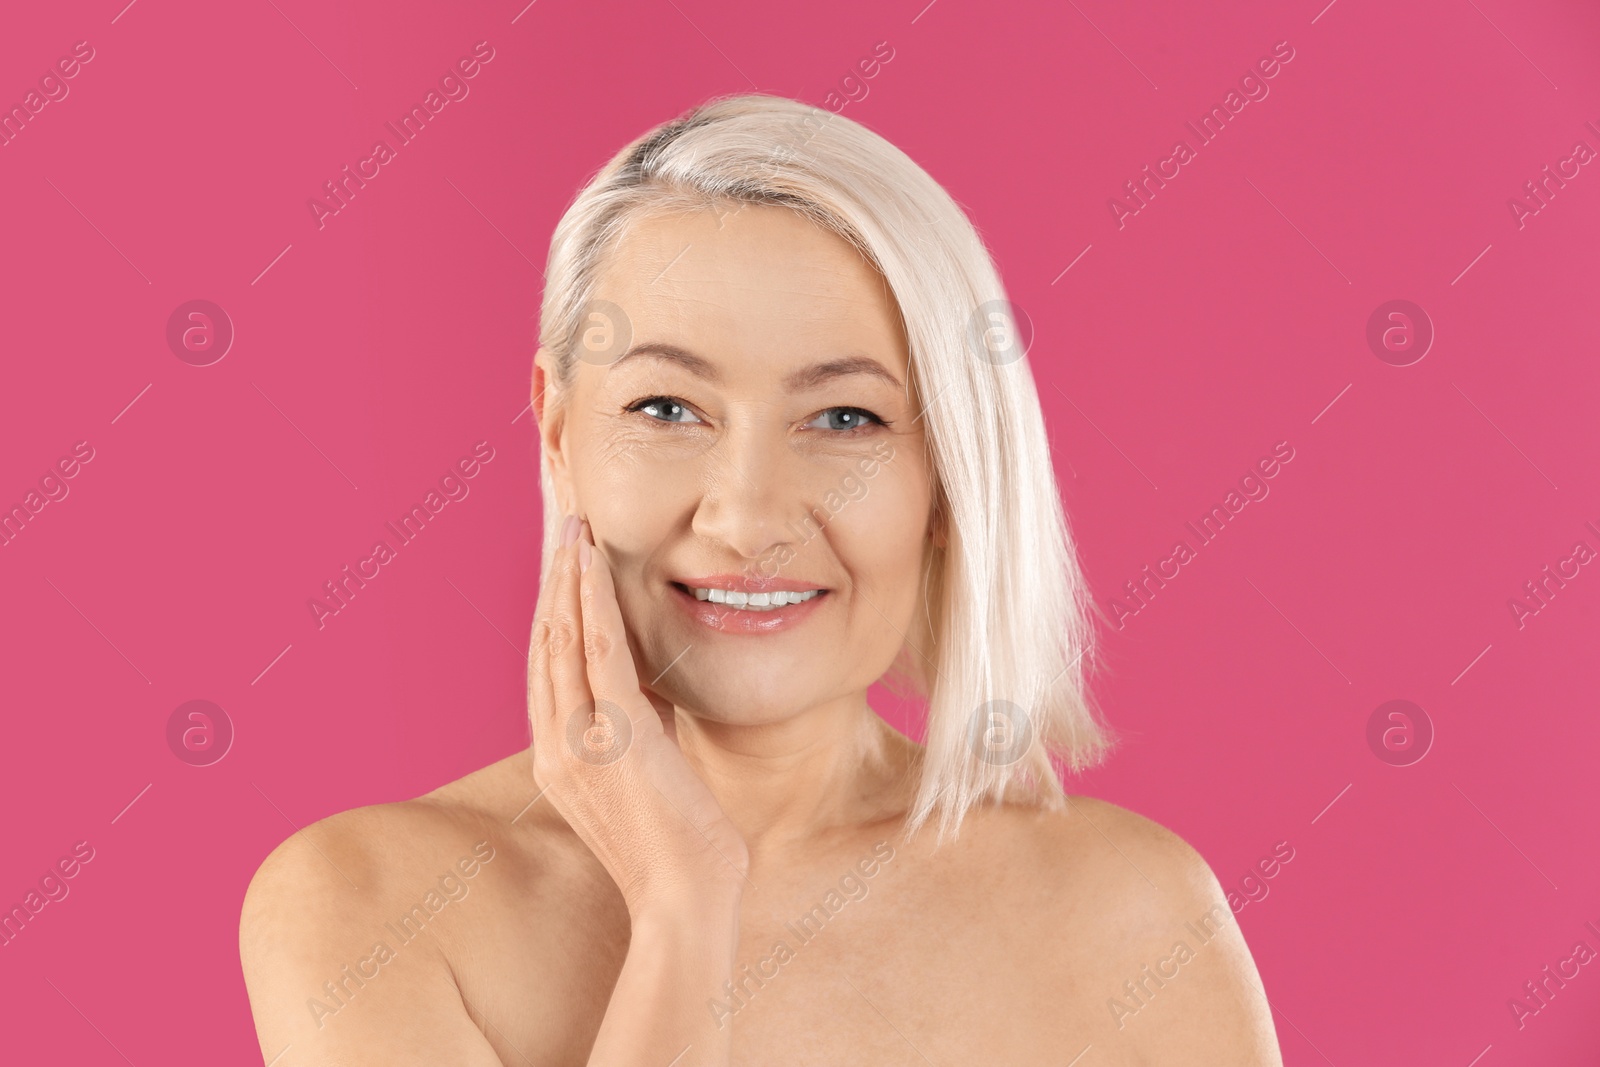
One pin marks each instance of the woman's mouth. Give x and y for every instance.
(753, 601)
(740, 611)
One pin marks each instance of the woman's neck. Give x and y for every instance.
(784, 784)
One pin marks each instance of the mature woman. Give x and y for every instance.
(789, 449)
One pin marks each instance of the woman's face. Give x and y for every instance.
(769, 441)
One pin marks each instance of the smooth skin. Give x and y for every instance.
(743, 826)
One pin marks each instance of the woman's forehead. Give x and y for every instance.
(756, 274)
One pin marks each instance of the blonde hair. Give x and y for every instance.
(1006, 632)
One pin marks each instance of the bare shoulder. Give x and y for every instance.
(346, 928)
(1171, 967)
(1124, 846)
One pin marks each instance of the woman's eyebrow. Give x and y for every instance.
(818, 373)
(699, 366)
(798, 381)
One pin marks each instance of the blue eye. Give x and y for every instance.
(663, 409)
(847, 420)
(840, 420)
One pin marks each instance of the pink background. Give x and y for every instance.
(1229, 314)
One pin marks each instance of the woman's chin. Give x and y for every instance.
(733, 704)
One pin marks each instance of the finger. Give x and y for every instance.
(541, 713)
(541, 705)
(613, 678)
(538, 671)
(572, 702)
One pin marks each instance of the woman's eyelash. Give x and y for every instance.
(649, 401)
(859, 411)
(668, 401)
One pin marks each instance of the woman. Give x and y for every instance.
(789, 449)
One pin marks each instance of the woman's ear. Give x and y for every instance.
(547, 414)
(541, 377)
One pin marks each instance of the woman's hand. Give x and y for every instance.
(605, 749)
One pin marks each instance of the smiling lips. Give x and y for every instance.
(754, 601)
(731, 603)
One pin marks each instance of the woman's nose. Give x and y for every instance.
(751, 495)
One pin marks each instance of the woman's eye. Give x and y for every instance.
(841, 420)
(846, 419)
(664, 409)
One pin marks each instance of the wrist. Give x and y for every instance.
(684, 897)
(703, 909)
(702, 933)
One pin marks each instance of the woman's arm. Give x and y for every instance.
(319, 994)
(1180, 984)
(606, 757)
(678, 961)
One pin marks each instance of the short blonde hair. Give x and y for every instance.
(1006, 638)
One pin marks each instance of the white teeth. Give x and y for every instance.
(754, 601)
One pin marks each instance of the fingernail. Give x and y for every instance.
(569, 531)
(583, 556)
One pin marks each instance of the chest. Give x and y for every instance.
(909, 965)
(890, 979)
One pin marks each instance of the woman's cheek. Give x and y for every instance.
(893, 498)
(633, 502)
(638, 465)
(886, 527)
